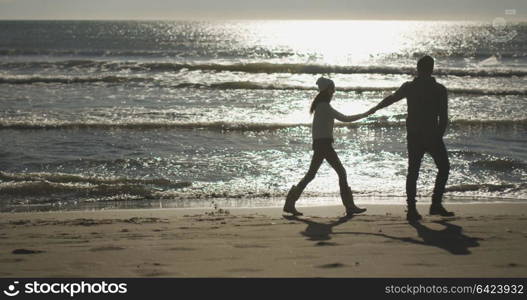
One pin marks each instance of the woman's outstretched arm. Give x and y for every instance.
(351, 118)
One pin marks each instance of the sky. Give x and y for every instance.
(513, 10)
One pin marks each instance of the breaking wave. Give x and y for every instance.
(380, 122)
(47, 184)
(230, 85)
(486, 187)
(262, 67)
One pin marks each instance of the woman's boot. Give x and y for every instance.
(347, 199)
(292, 196)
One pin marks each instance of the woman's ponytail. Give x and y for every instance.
(323, 96)
(326, 88)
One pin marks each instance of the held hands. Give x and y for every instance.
(361, 116)
(369, 112)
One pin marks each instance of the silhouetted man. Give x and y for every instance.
(426, 124)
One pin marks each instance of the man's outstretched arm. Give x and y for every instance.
(398, 95)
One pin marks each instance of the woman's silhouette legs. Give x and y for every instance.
(324, 151)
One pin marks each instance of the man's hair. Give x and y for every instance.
(425, 65)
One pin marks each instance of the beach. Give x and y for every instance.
(482, 240)
(166, 149)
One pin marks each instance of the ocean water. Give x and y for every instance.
(104, 114)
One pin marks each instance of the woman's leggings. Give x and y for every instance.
(324, 150)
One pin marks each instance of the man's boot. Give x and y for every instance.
(412, 215)
(437, 208)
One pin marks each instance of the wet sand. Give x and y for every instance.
(483, 240)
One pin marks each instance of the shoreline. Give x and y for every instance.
(482, 240)
(326, 210)
(250, 203)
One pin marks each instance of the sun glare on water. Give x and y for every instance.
(335, 42)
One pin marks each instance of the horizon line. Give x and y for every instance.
(514, 20)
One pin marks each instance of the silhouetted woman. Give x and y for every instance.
(322, 132)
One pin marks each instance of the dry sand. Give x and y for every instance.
(483, 240)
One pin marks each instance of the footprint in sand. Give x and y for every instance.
(510, 265)
(153, 273)
(331, 266)
(181, 249)
(26, 251)
(421, 264)
(152, 270)
(106, 248)
(326, 244)
(244, 246)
